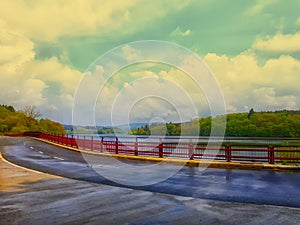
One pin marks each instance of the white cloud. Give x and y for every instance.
(260, 6)
(151, 97)
(142, 95)
(23, 92)
(244, 82)
(46, 84)
(49, 20)
(50, 85)
(130, 54)
(15, 50)
(266, 98)
(179, 32)
(279, 43)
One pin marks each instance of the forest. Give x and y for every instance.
(16, 122)
(281, 123)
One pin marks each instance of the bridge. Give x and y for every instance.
(264, 150)
(190, 196)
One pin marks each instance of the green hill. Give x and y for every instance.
(17, 122)
(283, 123)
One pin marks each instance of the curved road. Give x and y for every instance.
(247, 186)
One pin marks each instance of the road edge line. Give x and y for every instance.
(25, 168)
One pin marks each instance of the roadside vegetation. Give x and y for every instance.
(29, 119)
(283, 123)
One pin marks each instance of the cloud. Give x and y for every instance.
(151, 97)
(47, 84)
(24, 92)
(15, 49)
(260, 6)
(279, 43)
(246, 83)
(266, 98)
(130, 53)
(48, 20)
(179, 32)
(142, 93)
(50, 82)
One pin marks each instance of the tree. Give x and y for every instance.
(17, 122)
(284, 123)
(49, 126)
(30, 111)
(251, 112)
(9, 108)
(30, 117)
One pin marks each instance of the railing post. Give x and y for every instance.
(83, 146)
(271, 154)
(102, 142)
(136, 147)
(65, 140)
(117, 145)
(160, 148)
(191, 151)
(228, 153)
(92, 143)
(72, 139)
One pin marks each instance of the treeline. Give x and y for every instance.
(17, 122)
(283, 123)
(110, 130)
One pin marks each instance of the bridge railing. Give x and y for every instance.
(270, 150)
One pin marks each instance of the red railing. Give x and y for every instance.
(60, 139)
(269, 150)
(13, 135)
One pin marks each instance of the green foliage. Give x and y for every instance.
(283, 123)
(8, 107)
(110, 130)
(49, 126)
(158, 129)
(17, 122)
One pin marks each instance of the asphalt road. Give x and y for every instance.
(28, 197)
(281, 188)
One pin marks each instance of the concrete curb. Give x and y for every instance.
(192, 163)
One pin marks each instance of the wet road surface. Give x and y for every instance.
(281, 188)
(31, 198)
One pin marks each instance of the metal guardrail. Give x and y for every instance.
(270, 150)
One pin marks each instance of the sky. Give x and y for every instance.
(47, 47)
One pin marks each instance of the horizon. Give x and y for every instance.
(252, 49)
(174, 122)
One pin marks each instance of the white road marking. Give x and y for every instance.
(41, 152)
(31, 147)
(55, 157)
(102, 166)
